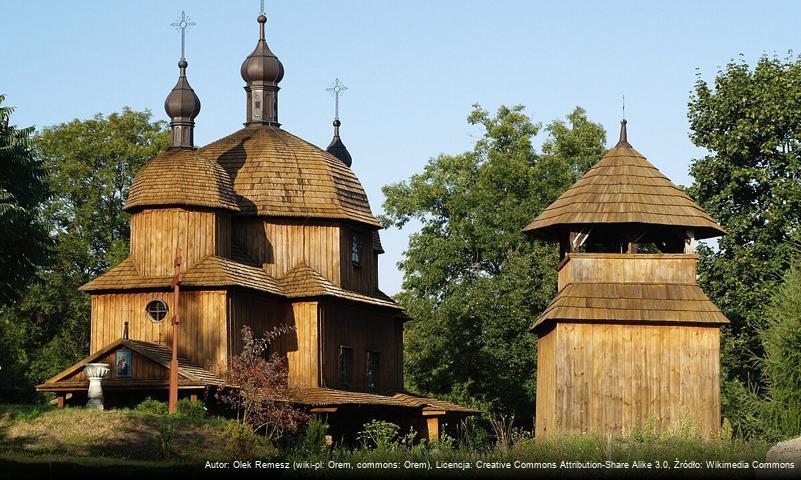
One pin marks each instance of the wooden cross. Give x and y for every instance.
(336, 89)
(183, 23)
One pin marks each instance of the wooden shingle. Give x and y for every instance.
(181, 176)
(632, 303)
(277, 174)
(623, 187)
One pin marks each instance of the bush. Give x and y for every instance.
(192, 409)
(166, 439)
(379, 434)
(242, 441)
(313, 440)
(153, 407)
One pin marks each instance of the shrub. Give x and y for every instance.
(379, 434)
(313, 440)
(260, 396)
(192, 409)
(153, 407)
(166, 439)
(241, 442)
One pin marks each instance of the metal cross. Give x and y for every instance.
(261, 12)
(624, 107)
(336, 89)
(183, 23)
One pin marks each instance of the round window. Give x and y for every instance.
(157, 310)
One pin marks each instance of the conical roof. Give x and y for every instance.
(181, 176)
(623, 188)
(277, 174)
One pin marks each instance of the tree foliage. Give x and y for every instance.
(472, 282)
(781, 339)
(749, 120)
(89, 167)
(22, 191)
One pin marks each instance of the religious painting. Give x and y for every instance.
(123, 365)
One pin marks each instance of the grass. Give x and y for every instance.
(39, 441)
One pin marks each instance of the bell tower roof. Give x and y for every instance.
(623, 188)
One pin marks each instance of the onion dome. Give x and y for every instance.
(181, 177)
(182, 106)
(337, 148)
(623, 188)
(262, 71)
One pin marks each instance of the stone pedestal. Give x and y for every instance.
(95, 372)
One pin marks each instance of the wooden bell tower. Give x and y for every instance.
(630, 340)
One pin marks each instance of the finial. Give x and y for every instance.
(336, 147)
(624, 141)
(624, 107)
(261, 9)
(182, 24)
(182, 105)
(336, 89)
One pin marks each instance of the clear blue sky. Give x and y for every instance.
(413, 68)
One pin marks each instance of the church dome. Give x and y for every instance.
(262, 66)
(181, 177)
(277, 174)
(182, 102)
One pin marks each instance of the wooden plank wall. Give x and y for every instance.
(280, 245)
(142, 368)
(363, 330)
(616, 378)
(203, 337)
(154, 236)
(299, 346)
(364, 278)
(636, 268)
(546, 385)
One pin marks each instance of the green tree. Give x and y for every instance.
(90, 165)
(749, 121)
(22, 191)
(472, 282)
(781, 339)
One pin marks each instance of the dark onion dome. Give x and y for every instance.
(623, 188)
(276, 174)
(262, 66)
(182, 102)
(337, 148)
(181, 177)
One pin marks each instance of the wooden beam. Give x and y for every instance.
(432, 413)
(433, 428)
(324, 410)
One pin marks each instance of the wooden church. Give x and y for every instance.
(630, 341)
(272, 231)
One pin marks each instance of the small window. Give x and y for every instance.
(345, 367)
(157, 310)
(372, 371)
(356, 250)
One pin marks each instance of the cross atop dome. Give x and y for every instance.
(262, 71)
(182, 104)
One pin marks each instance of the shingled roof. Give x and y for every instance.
(301, 281)
(623, 188)
(181, 176)
(327, 397)
(632, 303)
(275, 173)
